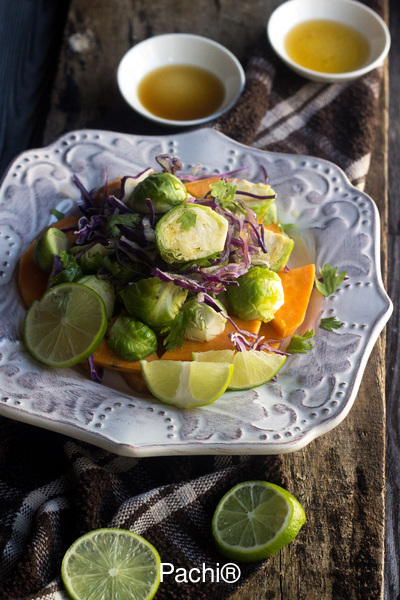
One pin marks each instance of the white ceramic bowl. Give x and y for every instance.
(349, 12)
(179, 48)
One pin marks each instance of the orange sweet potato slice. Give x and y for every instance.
(32, 282)
(297, 287)
(220, 342)
(199, 189)
(274, 227)
(105, 357)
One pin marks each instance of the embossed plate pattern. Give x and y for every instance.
(314, 392)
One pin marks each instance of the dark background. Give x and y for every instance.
(31, 33)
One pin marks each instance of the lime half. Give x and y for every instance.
(251, 368)
(254, 520)
(66, 325)
(111, 564)
(186, 384)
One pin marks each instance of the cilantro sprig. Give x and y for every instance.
(301, 344)
(329, 279)
(330, 323)
(176, 330)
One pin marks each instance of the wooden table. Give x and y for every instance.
(341, 475)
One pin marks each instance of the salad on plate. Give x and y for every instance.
(178, 281)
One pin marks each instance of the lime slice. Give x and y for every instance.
(254, 520)
(252, 368)
(111, 564)
(186, 384)
(52, 241)
(66, 325)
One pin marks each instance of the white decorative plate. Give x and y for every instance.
(314, 391)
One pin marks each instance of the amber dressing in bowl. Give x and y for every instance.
(181, 92)
(327, 46)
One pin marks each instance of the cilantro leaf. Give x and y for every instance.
(224, 192)
(329, 280)
(128, 219)
(300, 344)
(176, 330)
(330, 323)
(187, 220)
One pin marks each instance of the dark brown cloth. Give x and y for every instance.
(53, 489)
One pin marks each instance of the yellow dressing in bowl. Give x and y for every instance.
(327, 46)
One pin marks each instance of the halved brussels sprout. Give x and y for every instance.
(104, 288)
(258, 295)
(163, 189)
(131, 339)
(261, 198)
(91, 259)
(205, 323)
(271, 216)
(154, 301)
(279, 246)
(190, 232)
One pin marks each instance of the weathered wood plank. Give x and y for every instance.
(392, 560)
(30, 37)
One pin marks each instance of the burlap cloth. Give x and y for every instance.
(53, 489)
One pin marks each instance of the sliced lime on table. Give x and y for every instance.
(186, 384)
(251, 368)
(66, 325)
(53, 241)
(254, 520)
(111, 564)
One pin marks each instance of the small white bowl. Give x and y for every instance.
(350, 12)
(179, 48)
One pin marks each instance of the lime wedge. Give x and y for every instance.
(254, 520)
(186, 384)
(111, 564)
(225, 355)
(53, 241)
(252, 367)
(66, 325)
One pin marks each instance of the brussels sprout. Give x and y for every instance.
(258, 295)
(91, 260)
(190, 232)
(154, 301)
(52, 242)
(124, 272)
(279, 247)
(104, 288)
(163, 189)
(204, 322)
(258, 201)
(131, 339)
(271, 216)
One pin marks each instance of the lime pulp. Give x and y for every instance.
(111, 564)
(66, 325)
(186, 384)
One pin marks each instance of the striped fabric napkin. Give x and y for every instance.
(54, 489)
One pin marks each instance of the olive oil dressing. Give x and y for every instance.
(181, 92)
(327, 46)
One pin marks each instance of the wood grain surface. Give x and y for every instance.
(339, 477)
